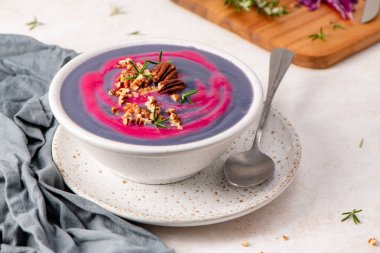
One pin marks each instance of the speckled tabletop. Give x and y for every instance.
(332, 111)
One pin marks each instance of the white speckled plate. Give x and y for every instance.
(205, 198)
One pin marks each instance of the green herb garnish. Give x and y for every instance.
(116, 10)
(156, 119)
(159, 59)
(186, 95)
(266, 7)
(131, 77)
(134, 66)
(352, 215)
(318, 36)
(144, 67)
(141, 71)
(33, 24)
(135, 33)
(361, 143)
(336, 26)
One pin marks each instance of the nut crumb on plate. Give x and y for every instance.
(245, 244)
(285, 238)
(372, 241)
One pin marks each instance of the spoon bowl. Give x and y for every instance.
(253, 167)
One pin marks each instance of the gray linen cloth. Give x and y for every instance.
(37, 211)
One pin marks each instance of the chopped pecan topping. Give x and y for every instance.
(145, 113)
(164, 71)
(245, 244)
(174, 97)
(111, 92)
(139, 120)
(372, 241)
(285, 238)
(127, 120)
(170, 86)
(174, 119)
(114, 110)
(135, 83)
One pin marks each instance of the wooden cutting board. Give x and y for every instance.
(292, 30)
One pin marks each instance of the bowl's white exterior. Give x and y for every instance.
(159, 169)
(154, 164)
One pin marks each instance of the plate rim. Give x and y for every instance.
(155, 220)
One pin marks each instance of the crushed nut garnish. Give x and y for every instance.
(285, 238)
(114, 110)
(174, 97)
(136, 86)
(245, 244)
(372, 241)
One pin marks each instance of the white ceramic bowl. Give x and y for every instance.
(147, 163)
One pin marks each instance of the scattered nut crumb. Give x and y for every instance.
(285, 238)
(125, 181)
(175, 97)
(372, 241)
(114, 110)
(245, 244)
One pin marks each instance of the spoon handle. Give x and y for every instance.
(280, 60)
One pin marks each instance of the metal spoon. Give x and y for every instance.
(253, 167)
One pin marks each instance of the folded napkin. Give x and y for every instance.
(38, 213)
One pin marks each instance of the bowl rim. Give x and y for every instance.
(137, 149)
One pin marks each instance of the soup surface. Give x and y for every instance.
(220, 95)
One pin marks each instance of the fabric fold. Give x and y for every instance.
(38, 212)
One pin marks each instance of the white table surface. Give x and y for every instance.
(332, 110)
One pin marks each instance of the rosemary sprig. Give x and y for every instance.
(318, 36)
(336, 26)
(33, 24)
(352, 215)
(146, 63)
(139, 72)
(135, 67)
(131, 77)
(159, 59)
(116, 10)
(156, 119)
(186, 95)
(267, 7)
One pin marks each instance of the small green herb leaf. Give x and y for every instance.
(116, 10)
(134, 33)
(134, 66)
(156, 119)
(131, 77)
(336, 26)
(146, 63)
(318, 36)
(361, 143)
(186, 96)
(352, 215)
(33, 24)
(160, 57)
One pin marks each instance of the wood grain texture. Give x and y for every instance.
(291, 31)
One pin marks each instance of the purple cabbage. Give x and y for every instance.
(344, 7)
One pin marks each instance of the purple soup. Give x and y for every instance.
(223, 95)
